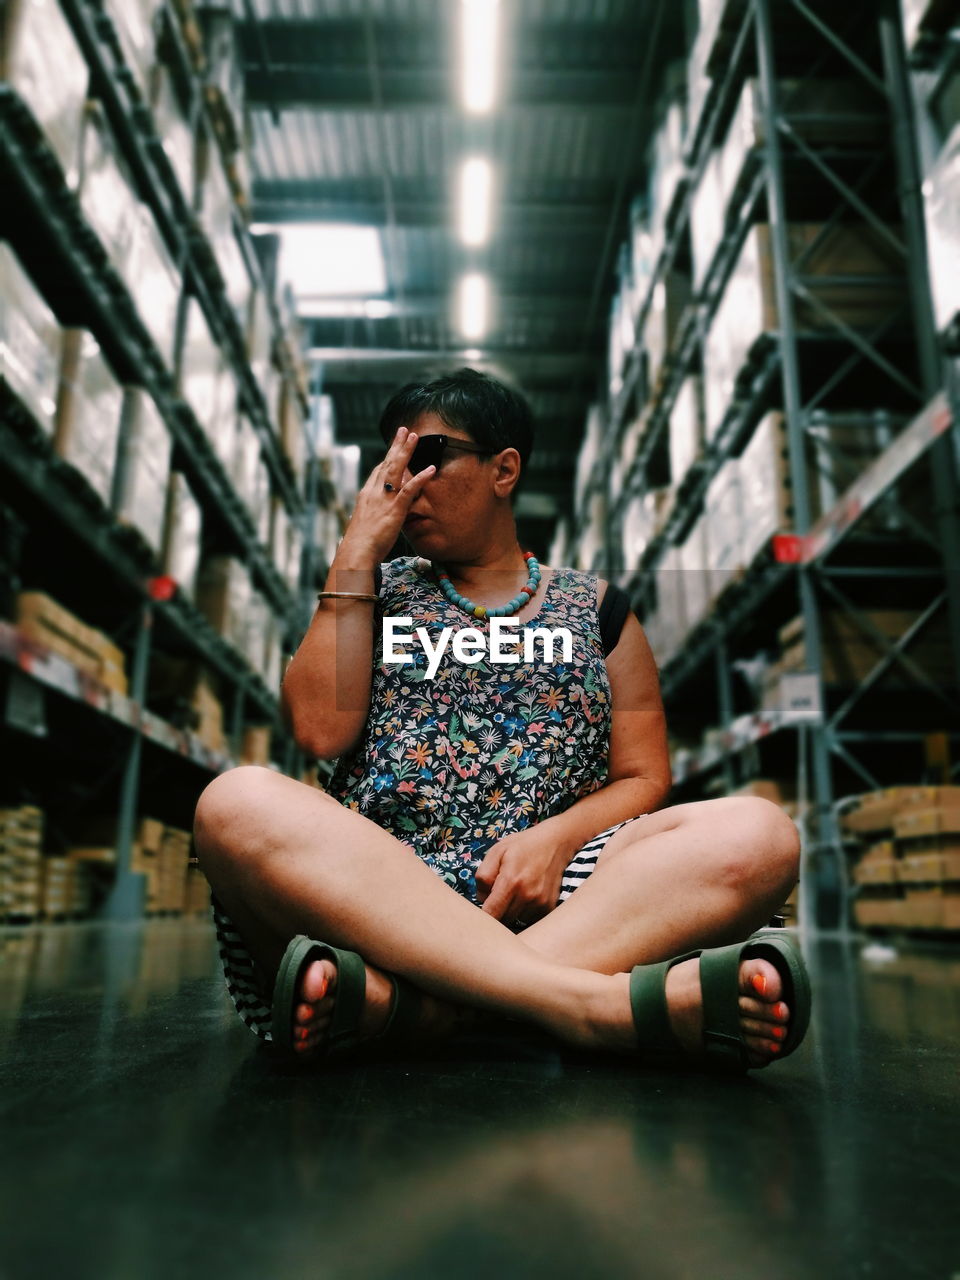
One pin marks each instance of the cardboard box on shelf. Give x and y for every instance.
(881, 909)
(686, 428)
(43, 63)
(106, 192)
(259, 335)
(43, 620)
(223, 596)
(766, 493)
(209, 709)
(196, 893)
(172, 861)
(29, 341)
(666, 169)
(724, 533)
(182, 530)
(261, 501)
(695, 574)
(932, 907)
(923, 826)
(877, 865)
(850, 270)
(236, 276)
(925, 18)
(256, 745)
(155, 284)
(840, 447)
(199, 365)
(929, 843)
(255, 631)
(777, 790)
(225, 81)
(822, 111)
(707, 217)
(245, 461)
(21, 852)
(849, 654)
(879, 810)
(292, 428)
(89, 408)
(213, 202)
(133, 21)
(942, 204)
(226, 424)
(143, 467)
(174, 129)
(273, 655)
(670, 298)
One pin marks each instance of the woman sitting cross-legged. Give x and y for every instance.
(493, 837)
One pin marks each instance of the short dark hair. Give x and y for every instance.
(492, 414)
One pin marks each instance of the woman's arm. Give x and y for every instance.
(326, 690)
(638, 768)
(638, 772)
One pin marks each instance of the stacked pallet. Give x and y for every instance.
(47, 623)
(67, 888)
(907, 875)
(158, 853)
(851, 650)
(782, 793)
(196, 893)
(183, 692)
(21, 857)
(172, 860)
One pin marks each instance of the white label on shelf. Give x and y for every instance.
(800, 699)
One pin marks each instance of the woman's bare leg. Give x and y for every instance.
(298, 861)
(697, 875)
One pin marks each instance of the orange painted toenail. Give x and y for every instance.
(775, 1048)
(759, 983)
(780, 1011)
(780, 1032)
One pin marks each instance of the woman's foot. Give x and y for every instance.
(317, 999)
(764, 1017)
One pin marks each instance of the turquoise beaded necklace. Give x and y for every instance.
(505, 610)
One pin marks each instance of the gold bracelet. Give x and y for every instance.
(345, 595)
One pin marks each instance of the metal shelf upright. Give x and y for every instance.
(834, 565)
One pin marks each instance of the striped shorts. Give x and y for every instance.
(245, 991)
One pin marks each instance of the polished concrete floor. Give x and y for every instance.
(145, 1133)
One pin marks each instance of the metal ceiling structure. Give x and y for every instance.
(356, 118)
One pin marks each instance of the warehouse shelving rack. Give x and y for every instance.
(832, 563)
(44, 222)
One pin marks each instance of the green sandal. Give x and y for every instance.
(343, 1033)
(723, 1042)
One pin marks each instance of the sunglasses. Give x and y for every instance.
(431, 450)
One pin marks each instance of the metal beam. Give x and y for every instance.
(354, 364)
(318, 202)
(340, 88)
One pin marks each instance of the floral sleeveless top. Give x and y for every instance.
(451, 765)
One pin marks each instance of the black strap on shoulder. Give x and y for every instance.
(613, 613)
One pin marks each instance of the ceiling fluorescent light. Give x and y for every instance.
(319, 308)
(476, 181)
(331, 260)
(474, 305)
(479, 23)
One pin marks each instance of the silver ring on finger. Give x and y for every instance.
(389, 488)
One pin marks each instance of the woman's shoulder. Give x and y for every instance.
(401, 570)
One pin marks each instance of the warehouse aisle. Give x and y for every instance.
(146, 1134)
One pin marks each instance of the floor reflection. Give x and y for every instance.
(134, 1097)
